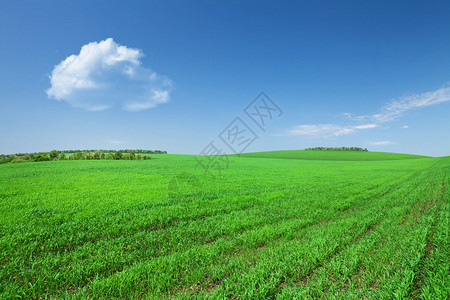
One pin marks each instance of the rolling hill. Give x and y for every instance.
(330, 155)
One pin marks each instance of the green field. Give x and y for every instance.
(330, 155)
(322, 224)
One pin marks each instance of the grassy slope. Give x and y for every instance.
(266, 228)
(331, 155)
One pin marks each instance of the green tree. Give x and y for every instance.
(42, 158)
(118, 155)
(53, 154)
(97, 155)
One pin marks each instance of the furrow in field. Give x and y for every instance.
(437, 265)
(345, 273)
(311, 275)
(401, 271)
(419, 277)
(436, 198)
(357, 239)
(240, 243)
(202, 214)
(119, 267)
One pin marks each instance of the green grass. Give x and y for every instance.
(330, 155)
(265, 228)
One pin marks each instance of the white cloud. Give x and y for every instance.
(389, 112)
(398, 107)
(381, 143)
(157, 97)
(325, 130)
(366, 126)
(105, 75)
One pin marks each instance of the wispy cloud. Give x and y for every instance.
(114, 142)
(398, 107)
(405, 126)
(325, 130)
(388, 112)
(381, 143)
(366, 126)
(104, 75)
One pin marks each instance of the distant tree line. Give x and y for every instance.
(98, 155)
(126, 154)
(114, 151)
(339, 148)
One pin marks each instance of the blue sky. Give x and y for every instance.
(172, 75)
